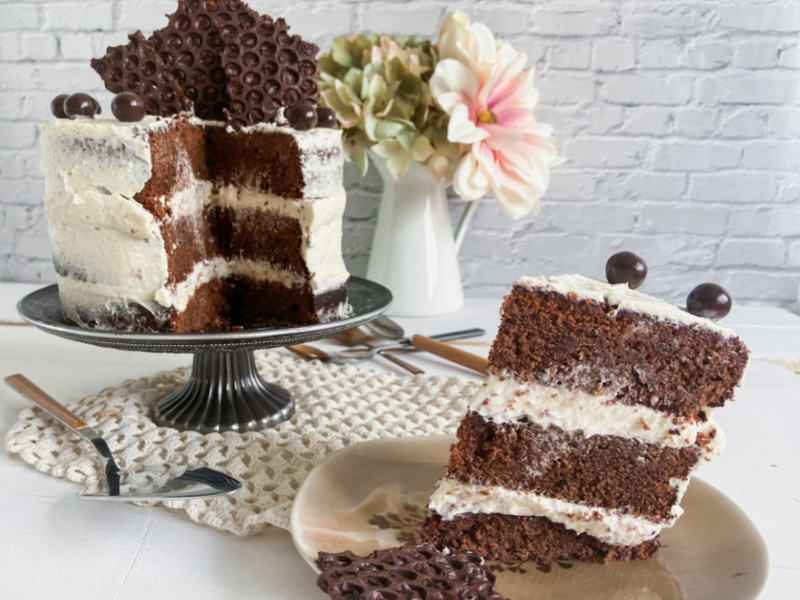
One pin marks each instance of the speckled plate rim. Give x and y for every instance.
(713, 528)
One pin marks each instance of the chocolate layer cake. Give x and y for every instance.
(582, 441)
(179, 224)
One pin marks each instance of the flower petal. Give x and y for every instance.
(470, 180)
(450, 78)
(501, 137)
(462, 128)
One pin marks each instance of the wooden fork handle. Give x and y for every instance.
(456, 355)
(38, 396)
(414, 370)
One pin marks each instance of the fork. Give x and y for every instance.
(193, 484)
(353, 356)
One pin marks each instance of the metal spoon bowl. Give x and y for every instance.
(386, 328)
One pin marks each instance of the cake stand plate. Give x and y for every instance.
(225, 391)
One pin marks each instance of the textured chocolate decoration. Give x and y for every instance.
(128, 107)
(267, 68)
(405, 572)
(57, 106)
(136, 67)
(191, 46)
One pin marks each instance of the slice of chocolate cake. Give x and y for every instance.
(582, 441)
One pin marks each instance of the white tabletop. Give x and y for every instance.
(53, 545)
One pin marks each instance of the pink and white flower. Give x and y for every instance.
(482, 84)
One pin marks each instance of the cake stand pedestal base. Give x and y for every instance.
(225, 393)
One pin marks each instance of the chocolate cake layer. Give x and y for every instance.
(263, 303)
(207, 310)
(633, 357)
(260, 235)
(606, 471)
(225, 304)
(188, 241)
(505, 537)
(269, 162)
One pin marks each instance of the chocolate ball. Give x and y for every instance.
(326, 117)
(626, 267)
(80, 105)
(302, 116)
(128, 107)
(57, 106)
(709, 300)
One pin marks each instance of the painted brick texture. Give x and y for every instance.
(681, 122)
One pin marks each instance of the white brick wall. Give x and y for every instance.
(681, 121)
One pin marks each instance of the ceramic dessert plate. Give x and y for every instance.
(373, 495)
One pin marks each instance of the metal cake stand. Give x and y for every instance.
(225, 391)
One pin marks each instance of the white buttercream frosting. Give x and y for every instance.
(454, 498)
(178, 296)
(503, 399)
(621, 297)
(98, 232)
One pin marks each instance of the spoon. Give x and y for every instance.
(192, 484)
(386, 328)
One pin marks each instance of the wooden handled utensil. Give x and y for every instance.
(446, 351)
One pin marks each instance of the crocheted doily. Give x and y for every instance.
(336, 406)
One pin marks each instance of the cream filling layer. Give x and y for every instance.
(177, 296)
(320, 221)
(454, 498)
(503, 399)
(622, 297)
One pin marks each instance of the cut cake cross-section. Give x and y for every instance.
(582, 441)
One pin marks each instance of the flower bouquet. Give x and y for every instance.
(427, 113)
(462, 106)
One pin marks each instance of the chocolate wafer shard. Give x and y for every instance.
(136, 67)
(191, 45)
(267, 69)
(406, 572)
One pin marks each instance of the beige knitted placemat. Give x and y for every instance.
(336, 407)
